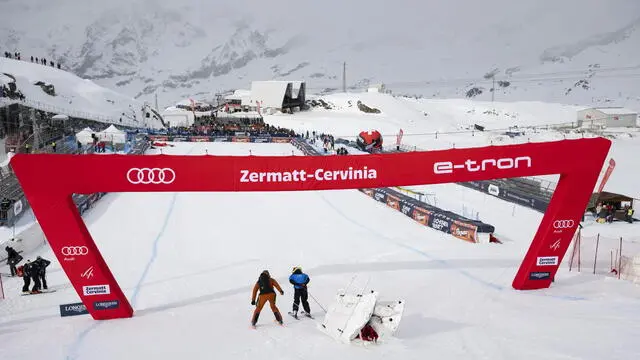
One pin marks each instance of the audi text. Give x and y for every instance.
(447, 167)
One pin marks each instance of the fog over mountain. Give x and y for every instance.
(572, 51)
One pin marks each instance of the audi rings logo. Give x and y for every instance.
(151, 176)
(74, 250)
(563, 224)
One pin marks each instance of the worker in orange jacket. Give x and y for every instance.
(266, 285)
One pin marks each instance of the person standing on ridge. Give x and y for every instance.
(299, 280)
(266, 285)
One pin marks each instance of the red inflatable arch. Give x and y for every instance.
(577, 161)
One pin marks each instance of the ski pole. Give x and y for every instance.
(314, 299)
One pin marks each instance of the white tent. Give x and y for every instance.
(84, 136)
(112, 134)
(60, 117)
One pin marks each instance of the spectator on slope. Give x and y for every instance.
(299, 280)
(42, 273)
(266, 285)
(25, 270)
(54, 146)
(34, 272)
(58, 65)
(629, 214)
(12, 259)
(37, 60)
(610, 212)
(31, 58)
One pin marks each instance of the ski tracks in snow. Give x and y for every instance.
(72, 354)
(445, 264)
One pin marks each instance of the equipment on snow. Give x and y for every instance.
(369, 141)
(295, 315)
(37, 292)
(361, 316)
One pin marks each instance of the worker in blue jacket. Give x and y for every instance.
(299, 280)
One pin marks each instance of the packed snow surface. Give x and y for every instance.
(187, 262)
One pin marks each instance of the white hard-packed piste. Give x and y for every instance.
(361, 316)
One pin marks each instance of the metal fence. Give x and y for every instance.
(103, 118)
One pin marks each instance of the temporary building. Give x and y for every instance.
(112, 134)
(277, 95)
(84, 136)
(608, 117)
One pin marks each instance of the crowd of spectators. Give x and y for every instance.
(213, 126)
(10, 92)
(199, 107)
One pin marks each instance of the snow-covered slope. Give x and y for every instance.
(430, 124)
(573, 51)
(187, 262)
(73, 96)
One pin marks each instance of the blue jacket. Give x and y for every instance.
(298, 280)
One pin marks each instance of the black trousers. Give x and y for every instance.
(36, 282)
(13, 269)
(43, 279)
(27, 282)
(301, 294)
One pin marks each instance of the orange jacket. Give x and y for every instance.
(274, 284)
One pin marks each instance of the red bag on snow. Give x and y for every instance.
(367, 333)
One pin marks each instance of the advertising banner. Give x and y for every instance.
(74, 309)
(199, 139)
(428, 215)
(422, 216)
(393, 202)
(464, 231)
(241, 139)
(261, 139)
(93, 281)
(512, 195)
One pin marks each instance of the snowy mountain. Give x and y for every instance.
(574, 51)
(58, 91)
